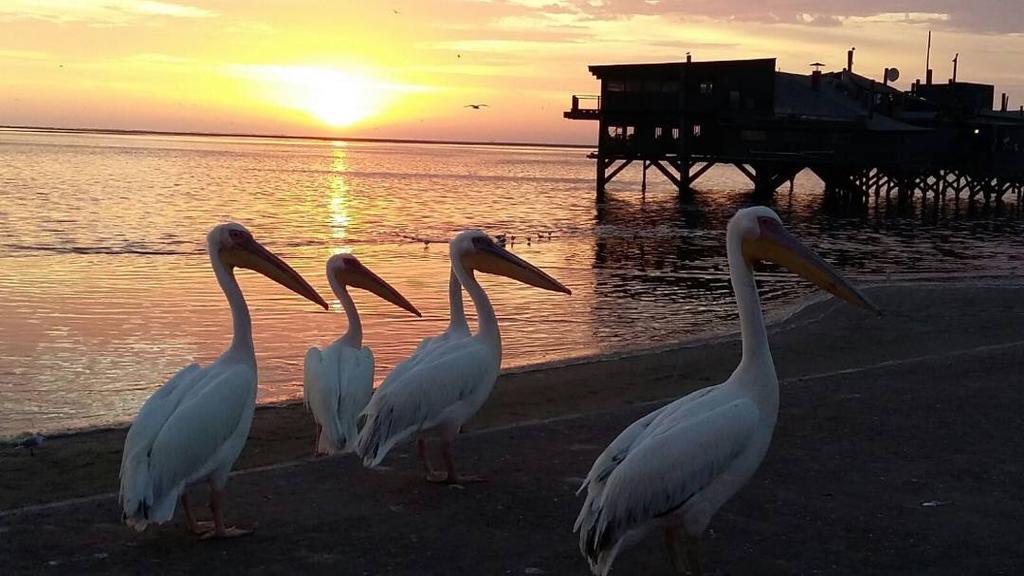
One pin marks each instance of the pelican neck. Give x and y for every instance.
(456, 307)
(354, 335)
(752, 328)
(241, 339)
(487, 323)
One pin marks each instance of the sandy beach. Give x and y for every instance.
(898, 450)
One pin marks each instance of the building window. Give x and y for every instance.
(675, 133)
(633, 86)
(734, 98)
(657, 131)
(616, 86)
(696, 130)
(707, 87)
(670, 86)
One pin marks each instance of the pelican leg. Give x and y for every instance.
(317, 429)
(217, 507)
(672, 544)
(193, 526)
(432, 475)
(449, 462)
(693, 554)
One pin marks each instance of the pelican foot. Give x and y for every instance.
(437, 477)
(200, 528)
(225, 533)
(469, 479)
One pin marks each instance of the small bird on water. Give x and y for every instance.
(31, 442)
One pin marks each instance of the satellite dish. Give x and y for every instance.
(892, 74)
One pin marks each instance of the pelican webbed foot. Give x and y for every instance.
(224, 533)
(200, 528)
(437, 477)
(465, 479)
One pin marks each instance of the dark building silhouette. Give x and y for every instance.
(860, 136)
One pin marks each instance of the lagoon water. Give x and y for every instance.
(106, 289)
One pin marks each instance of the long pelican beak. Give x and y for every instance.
(493, 259)
(254, 256)
(775, 244)
(359, 276)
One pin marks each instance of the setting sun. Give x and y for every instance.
(337, 98)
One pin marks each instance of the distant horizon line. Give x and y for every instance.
(128, 131)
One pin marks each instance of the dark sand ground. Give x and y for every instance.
(899, 450)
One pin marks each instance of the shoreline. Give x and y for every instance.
(86, 463)
(773, 318)
(894, 452)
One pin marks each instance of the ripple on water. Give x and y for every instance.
(107, 288)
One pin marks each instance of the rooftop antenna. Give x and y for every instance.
(955, 59)
(928, 60)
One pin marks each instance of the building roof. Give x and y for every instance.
(674, 69)
(795, 96)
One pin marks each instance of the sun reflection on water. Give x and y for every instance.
(339, 202)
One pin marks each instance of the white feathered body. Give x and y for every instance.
(676, 466)
(337, 386)
(434, 392)
(192, 429)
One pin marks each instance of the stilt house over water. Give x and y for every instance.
(859, 135)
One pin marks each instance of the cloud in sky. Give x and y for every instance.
(228, 65)
(105, 12)
(981, 16)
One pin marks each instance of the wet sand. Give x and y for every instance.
(898, 450)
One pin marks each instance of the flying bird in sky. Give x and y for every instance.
(475, 106)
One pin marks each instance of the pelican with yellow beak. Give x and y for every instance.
(193, 428)
(339, 379)
(671, 470)
(432, 394)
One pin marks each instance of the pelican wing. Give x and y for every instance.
(312, 384)
(155, 412)
(192, 443)
(157, 409)
(609, 460)
(662, 473)
(617, 451)
(429, 349)
(457, 329)
(697, 402)
(337, 386)
(455, 376)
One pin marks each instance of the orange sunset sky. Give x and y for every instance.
(403, 69)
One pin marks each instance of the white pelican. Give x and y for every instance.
(450, 377)
(457, 328)
(339, 380)
(672, 469)
(193, 428)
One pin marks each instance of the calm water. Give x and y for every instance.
(106, 290)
